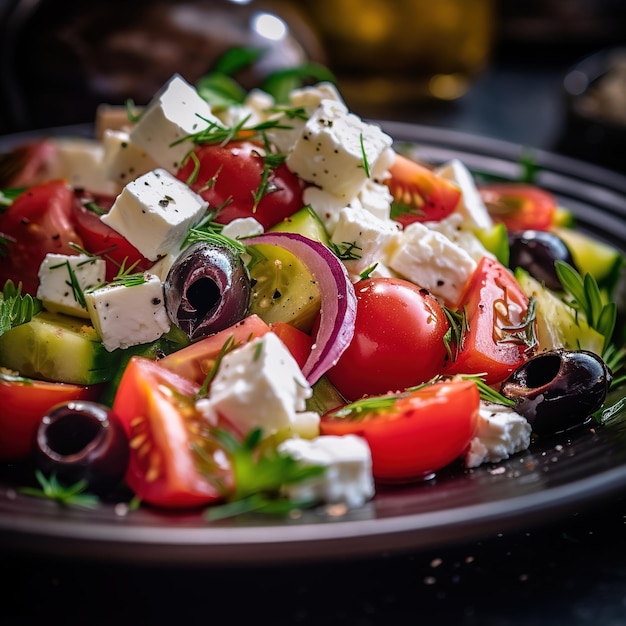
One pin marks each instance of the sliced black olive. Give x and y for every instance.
(82, 440)
(559, 389)
(537, 251)
(207, 289)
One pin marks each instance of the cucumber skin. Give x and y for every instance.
(58, 348)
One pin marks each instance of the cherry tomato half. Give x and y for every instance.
(412, 435)
(39, 221)
(23, 402)
(519, 206)
(419, 195)
(398, 339)
(495, 340)
(236, 179)
(171, 463)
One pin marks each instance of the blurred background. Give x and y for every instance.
(548, 74)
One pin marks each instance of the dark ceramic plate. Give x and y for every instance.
(553, 479)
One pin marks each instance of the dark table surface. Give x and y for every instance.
(571, 572)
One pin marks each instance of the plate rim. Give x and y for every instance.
(335, 539)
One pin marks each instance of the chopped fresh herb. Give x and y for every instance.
(261, 473)
(131, 111)
(94, 208)
(15, 308)
(366, 273)
(77, 290)
(227, 347)
(455, 335)
(487, 393)
(8, 195)
(525, 331)
(365, 164)
(346, 250)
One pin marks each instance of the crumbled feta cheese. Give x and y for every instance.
(364, 236)
(242, 227)
(174, 113)
(55, 288)
(453, 227)
(254, 110)
(336, 148)
(471, 205)
(376, 198)
(154, 213)
(430, 260)
(259, 385)
(129, 315)
(501, 432)
(123, 160)
(348, 469)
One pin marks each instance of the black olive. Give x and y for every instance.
(207, 289)
(82, 440)
(559, 389)
(537, 251)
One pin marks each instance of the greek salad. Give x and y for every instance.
(263, 303)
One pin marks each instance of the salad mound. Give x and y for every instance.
(265, 304)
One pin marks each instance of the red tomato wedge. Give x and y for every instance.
(24, 402)
(38, 222)
(519, 206)
(237, 179)
(419, 195)
(495, 307)
(414, 434)
(195, 361)
(297, 341)
(171, 463)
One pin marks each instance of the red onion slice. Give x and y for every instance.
(338, 301)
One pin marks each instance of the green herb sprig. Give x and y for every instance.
(15, 308)
(261, 473)
(65, 495)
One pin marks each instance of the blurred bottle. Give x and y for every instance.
(399, 52)
(61, 58)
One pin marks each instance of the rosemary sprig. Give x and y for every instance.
(15, 308)
(66, 495)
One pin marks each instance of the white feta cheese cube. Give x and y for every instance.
(347, 477)
(129, 315)
(364, 236)
(430, 260)
(501, 432)
(154, 213)
(327, 206)
(57, 273)
(80, 162)
(123, 160)
(471, 205)
(305, 100)
(174, 113)
(336, 148)
(259, 385)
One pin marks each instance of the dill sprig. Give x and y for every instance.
(66, 495)
(346, 250)
(15, 308)
(209, 231)
(228, 346)
(261, 473)
(525, 331)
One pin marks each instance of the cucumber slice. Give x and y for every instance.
(58, 348)
(283, 289)
(591, 256)
(558, 325)
(306, 222)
